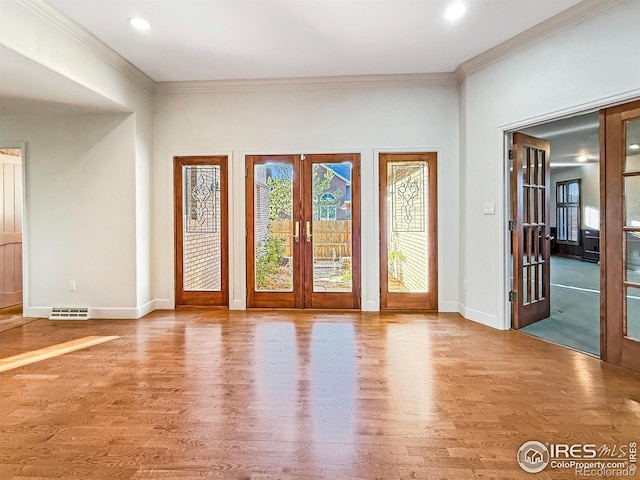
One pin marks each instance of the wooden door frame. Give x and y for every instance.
(201, 298)
(255, 299)
(22, 145)
(302, 295)
(612, 312)
(409, 301)
(334, 300)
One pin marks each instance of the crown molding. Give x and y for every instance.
(303, 83)
(572, 16)
(83, 37)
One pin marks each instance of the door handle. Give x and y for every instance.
(549, 237)
(296, 231)
(307, 231)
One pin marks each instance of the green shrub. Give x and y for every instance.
(270, 256)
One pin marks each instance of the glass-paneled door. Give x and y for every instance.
(200, 215)
(408, 231)
(303, 231)
(530, 233)
(620, 200)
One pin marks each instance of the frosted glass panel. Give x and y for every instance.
(201, 235)
(407, 226)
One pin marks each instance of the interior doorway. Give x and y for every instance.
(574, 229)
(11, 228)
(11, 215)
(303, 231)
(573, 223)
(595, 272)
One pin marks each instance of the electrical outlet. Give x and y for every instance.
(72, 285)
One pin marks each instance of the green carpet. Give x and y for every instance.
(575, 306)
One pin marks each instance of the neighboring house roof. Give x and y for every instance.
(342, 170)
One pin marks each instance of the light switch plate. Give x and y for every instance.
(489, 208)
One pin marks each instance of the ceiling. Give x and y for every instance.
(249, 39)
(570, 138)
(194, 40)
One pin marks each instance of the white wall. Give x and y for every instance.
(582, 67)
(38, 33)
(80, 193)
(364, 119)
(589, 176)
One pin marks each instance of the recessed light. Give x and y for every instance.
(139, 23)
(582, 158)
(455, 11)
(634, 146)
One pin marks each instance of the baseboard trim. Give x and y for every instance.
(449, 307)
(148, 307)
(115, 313)
(369, 306)
(162, 304)
(36, 312)
(480, 317)
(124, 313)
(237, 305)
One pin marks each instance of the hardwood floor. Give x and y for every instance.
(11, 317)
(202, 394)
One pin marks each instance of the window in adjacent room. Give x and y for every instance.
(568, 212)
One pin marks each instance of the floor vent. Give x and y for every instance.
(69, 314)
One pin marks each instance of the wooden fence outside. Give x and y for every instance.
(331, 238)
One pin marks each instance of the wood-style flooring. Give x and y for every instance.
(210, 394)
(11, 317)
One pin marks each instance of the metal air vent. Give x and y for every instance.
(59, 313)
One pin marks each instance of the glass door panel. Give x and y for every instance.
(631, 228)
(620, 279)
(273, 227)
(633, 313)
(332, 228)
(201, 228)
(408, 226)
(407, 221)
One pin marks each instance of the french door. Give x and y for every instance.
(408, 231)
(530, 240)
(201, 235)
(620, 238)
(303, 231)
